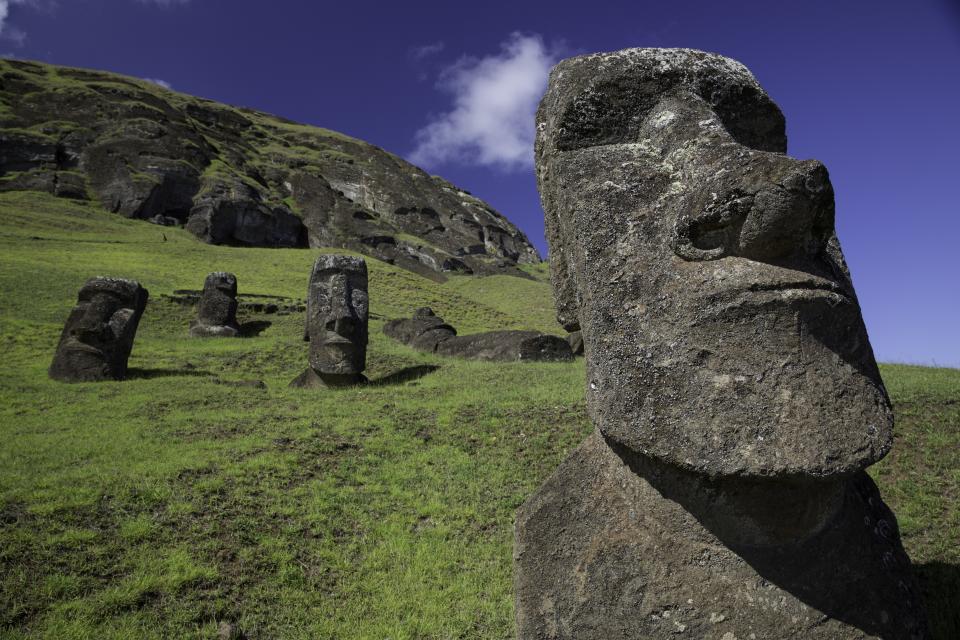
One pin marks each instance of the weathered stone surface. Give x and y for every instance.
(703, 267)
(231, 212)
(98, 335)
(607, 550)
(337, 313)
(729, 374)
(426, 331)
(217, 311)
(236, 176)
(507, 346)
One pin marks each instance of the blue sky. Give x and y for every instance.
(871, 88)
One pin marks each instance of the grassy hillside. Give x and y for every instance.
(184, 499)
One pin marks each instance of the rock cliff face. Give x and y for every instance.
(237, 176)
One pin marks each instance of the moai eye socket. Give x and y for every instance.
(605, 113)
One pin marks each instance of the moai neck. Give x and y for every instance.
(754, 512)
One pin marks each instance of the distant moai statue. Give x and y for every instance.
(217, 311)
(98, 336)
(729, 376)
(336, 327)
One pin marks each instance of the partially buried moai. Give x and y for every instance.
(217, 311)
(734, 392)
(98, 336)
(336, 326)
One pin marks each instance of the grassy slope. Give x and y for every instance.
(169, 503)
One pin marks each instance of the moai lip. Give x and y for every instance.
(722, 331)
(98, 336)
(337, 313)
(217, 311)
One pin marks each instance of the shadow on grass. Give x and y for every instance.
(406, 374)
(134, 373)
(940, 584)
(254, 328)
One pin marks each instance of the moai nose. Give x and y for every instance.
(340, 317)
(789, 217)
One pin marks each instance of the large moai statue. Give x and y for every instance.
(336, 327)
(217, 311)
(98, 335)
(729, 376)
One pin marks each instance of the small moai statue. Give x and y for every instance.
(336, 326)
(217, 311)
(736, 399)
(98, 336)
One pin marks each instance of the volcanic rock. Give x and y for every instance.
(98, 336)
(337, 313)
(236, 176)
(217, 312)
(426, 331)
(729, 374)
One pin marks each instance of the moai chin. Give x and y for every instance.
(729, 376)
(336, 326)
(217, 311)
(98, 336)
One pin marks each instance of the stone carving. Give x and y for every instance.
(729, 375)
(337, 311)
(217, 312)
(426, 331)
(98, 335)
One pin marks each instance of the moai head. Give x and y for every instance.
(218, 304)
(337, 309)
(721, 329)
(98, 336)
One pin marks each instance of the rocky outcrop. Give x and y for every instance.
(237, 176)
(428, 332)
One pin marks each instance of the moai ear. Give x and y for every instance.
(565, 294)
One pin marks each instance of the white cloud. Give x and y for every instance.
(8, 32)
(494, 102)
(427, 50)
(162, 83)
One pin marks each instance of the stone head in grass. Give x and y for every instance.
(734, 392)
(98, 335)
(721, 328)
(336, 327)
(217, 313)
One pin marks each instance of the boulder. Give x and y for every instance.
(426, 331)
(98, 336)
(507, 346)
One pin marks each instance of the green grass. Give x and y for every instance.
(161, 506)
